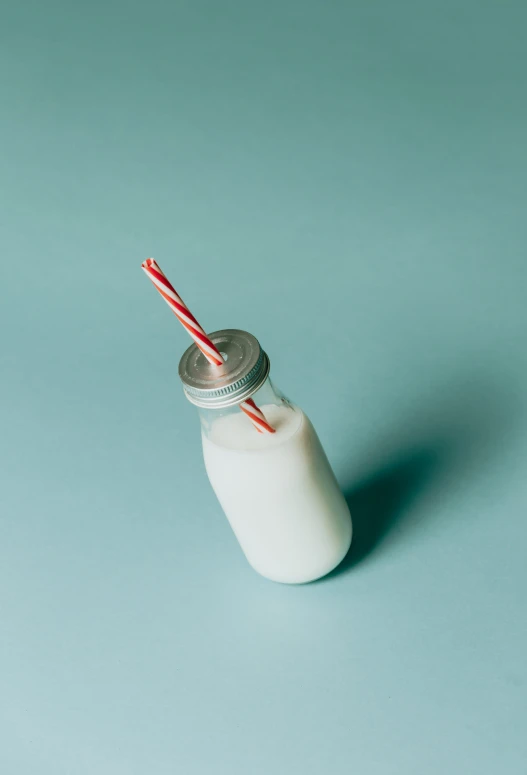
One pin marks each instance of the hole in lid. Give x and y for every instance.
(224, 356)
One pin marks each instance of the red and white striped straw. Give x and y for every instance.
(181, 311)
(256, 416)
(207, 347)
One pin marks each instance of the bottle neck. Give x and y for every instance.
(267, 395)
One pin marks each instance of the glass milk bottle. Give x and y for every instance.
(277, 490)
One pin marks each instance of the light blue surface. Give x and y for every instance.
(347, 181)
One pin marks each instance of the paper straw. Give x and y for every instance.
(207, 347)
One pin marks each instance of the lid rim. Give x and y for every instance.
(231, 398)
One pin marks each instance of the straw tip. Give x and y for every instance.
(148, 262)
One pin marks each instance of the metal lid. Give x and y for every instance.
(245, 370)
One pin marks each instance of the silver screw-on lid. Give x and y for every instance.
(245, 370)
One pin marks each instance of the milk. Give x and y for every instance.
(279, 494)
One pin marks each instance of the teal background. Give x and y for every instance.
(346, 180)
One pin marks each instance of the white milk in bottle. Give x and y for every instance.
(277, 490)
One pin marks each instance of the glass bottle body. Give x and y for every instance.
(278, 490)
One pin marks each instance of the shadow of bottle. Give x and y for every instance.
(469, 427)
(378, 503)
